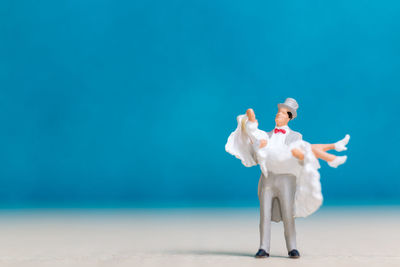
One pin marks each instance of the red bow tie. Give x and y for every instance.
(279, 130)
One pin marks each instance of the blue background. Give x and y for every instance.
(130, 103)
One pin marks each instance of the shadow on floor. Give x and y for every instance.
(217, 253)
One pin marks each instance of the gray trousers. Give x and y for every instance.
(281, 188)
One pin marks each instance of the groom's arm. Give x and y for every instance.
(297, 153)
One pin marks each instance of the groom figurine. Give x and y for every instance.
(277, 192)
(289, 186)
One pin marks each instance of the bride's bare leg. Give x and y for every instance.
(333, 161)
(319, 152)
(338, 146)
(324, 147)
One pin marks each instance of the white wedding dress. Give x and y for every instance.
(244, 143)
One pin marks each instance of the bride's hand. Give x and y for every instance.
(250, 114)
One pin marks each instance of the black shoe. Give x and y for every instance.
(294, 254)
(261, 254)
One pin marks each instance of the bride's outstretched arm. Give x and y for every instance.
(252, 117)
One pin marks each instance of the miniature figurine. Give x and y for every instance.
(289, 185)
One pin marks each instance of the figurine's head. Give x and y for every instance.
(283, 116)
(286, 112)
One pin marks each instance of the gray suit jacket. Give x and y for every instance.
(276, 209)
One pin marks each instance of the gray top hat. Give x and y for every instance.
(291, 105)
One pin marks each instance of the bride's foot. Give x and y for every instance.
(341, 145)
(339, 160)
